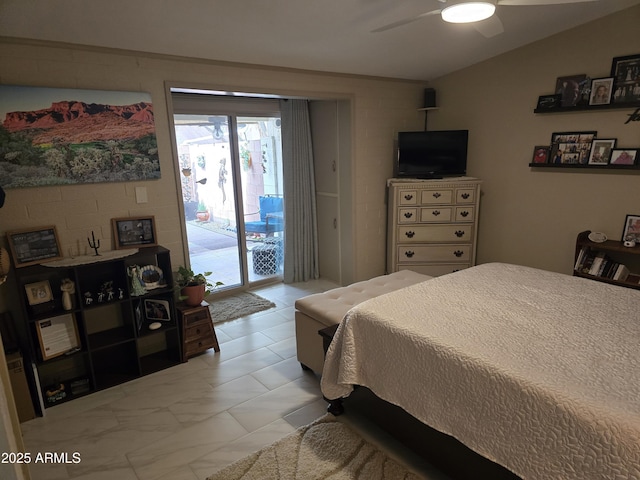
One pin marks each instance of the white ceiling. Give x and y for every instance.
(327, 35)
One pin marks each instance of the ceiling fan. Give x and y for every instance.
(464, 11)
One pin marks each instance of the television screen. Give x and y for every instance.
(432, 154)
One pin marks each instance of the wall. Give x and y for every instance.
(380, 107)
(527, 216)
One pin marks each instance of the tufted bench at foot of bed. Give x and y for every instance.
(321, 310)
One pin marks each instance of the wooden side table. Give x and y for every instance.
(198, 334)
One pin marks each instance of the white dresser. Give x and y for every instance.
(432, 224)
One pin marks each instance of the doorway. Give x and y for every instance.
(230, 165)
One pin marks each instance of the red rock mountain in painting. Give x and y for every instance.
(77, 122)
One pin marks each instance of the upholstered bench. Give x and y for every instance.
(320, 310)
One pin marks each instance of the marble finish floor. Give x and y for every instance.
(187, 422)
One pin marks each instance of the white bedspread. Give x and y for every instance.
(537, 371)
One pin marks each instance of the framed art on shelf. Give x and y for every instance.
(157, 310)
(34, 245)
(569, 88)
(601, 151)
(540, 154)
(571, 147)
(549, 102)
(134, 232)
(631, 228)
(625, 156)
(39, 292)
(601, 90)
(57, 335)
(626, 74)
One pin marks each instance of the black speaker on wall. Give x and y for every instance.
(429, 98)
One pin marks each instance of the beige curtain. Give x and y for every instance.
(301, 234)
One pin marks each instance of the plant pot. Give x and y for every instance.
(194, 294)
(202, 216)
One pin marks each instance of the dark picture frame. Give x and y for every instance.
(33, 246)
(131, 232)
(571, 147)
(549, 102)
(570, 88)
(626, 74)
(541, 154)
(601, 91)
(623, 156)
(601, 149)
(631, 228)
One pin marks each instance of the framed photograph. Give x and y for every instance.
(57, 335)
(601, 91)
(549, 102)
(625, 156)
(570, 89)
(33, 246)
(626, 74)
(540, 154)
(631, 228)
(601, 151)
(571, 147)
(39, 292)
(134, 232)
(157, 310)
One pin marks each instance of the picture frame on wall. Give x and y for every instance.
(38, 292)
(624, 156)
(570, 89)
(134, 232)
(33, 246)
(631, 229)
(601, 91)
(601, 151)
(540, 154)
(571, 147)
(549, 102)
(626, 74)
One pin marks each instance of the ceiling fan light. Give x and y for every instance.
(468, 12)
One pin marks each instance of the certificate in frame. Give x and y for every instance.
(57, 335)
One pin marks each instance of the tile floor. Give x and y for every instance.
(187, 422)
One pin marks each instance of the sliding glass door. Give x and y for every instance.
(231, 177)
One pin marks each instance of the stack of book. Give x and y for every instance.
(599, 264)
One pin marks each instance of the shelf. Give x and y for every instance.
(584, 167)
(589, 108)
(110, 338)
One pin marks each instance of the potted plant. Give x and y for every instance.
(202, 213)
(194, 287)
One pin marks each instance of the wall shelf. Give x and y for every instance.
(584, 168)
(589, 108)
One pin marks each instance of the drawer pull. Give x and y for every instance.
(435, 213)
(410, 234)
(198, 331)
(458, 253)
(408, 196)
(408, 215)
(459, 233)
(465, 195)
(409, 253)
(437, 195)
(464, 214)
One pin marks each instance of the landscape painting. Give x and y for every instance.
(58, 136)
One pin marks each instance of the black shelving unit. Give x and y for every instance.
(116, 344)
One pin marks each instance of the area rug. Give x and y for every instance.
(230, 308)
(325, 449)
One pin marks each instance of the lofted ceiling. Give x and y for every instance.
(328, 35)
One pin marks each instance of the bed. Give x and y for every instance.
(536, 371)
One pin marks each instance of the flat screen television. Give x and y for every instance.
(432, 154)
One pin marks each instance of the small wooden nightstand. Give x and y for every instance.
(198, 334)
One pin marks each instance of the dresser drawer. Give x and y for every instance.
(436, 197)
(465, 195)
(436, 270)
(465, 214)
(435, 214)
(407, 197)
(434, 253)
(198, 331)
(200, 345)
(201, 315)
(454, 232)
(407, 215)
